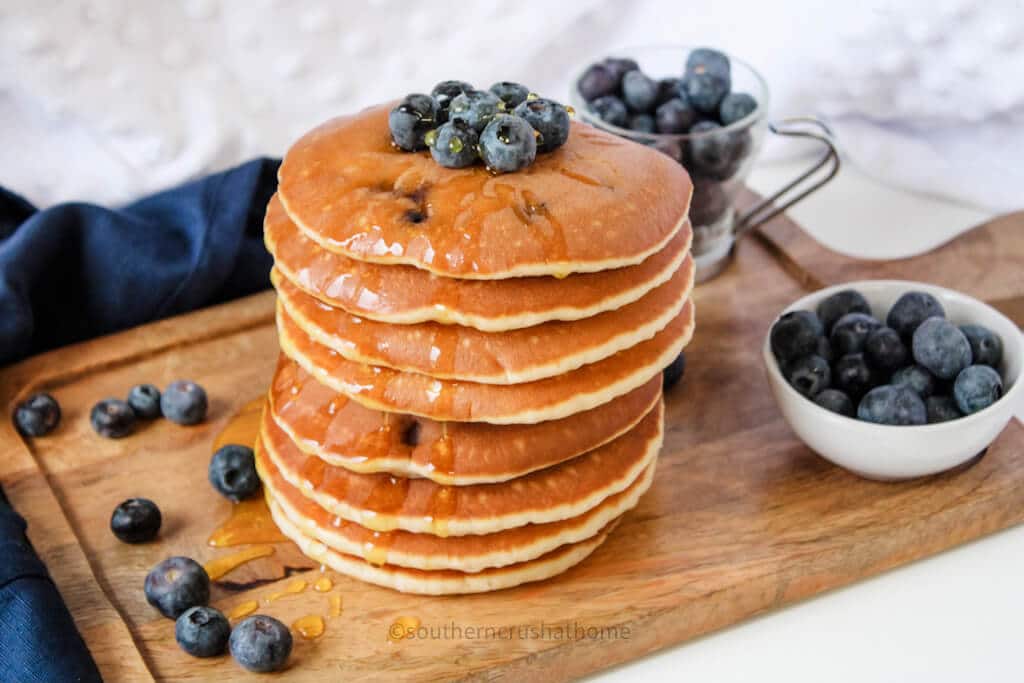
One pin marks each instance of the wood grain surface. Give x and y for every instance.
(741, 519)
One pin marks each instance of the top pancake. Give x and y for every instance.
(596, 203)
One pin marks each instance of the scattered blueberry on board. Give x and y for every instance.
(136, 520)
(184, 402)
(505, 126)
(202, 631)
(112, 418)
(232, 472)
(145, 401)
(915, 368)
(176, 584)
(261, 643)
(38, 415)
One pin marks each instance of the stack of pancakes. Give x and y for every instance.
(469, 392)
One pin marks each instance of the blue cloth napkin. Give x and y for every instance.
(75, 271)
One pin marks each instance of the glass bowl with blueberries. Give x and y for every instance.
(708, 111)
(894, 380)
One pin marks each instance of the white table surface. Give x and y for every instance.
(953, 617)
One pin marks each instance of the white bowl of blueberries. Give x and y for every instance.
(894, 380)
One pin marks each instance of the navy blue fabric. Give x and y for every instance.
(76, 271)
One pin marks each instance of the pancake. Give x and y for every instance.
(446, 400)
(470, 553)
(406, 295)
(382, 502)
(596, 203)
(464, 353)
(444, 581)
(343, 433)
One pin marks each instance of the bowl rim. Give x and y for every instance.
(578, 102)
(1007, 399)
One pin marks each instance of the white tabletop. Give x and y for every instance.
(952, 617)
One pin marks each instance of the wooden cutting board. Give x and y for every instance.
(741, 519)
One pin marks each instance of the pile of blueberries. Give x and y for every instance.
(699, 103)
(505, 126)
(917, 368)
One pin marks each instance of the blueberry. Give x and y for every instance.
(976, 388)
(642, 123)
(232, 472)
(674, 372)
(476, 107)
(917, 378)
(705, 91)
(136, 520)
(795, 334)
(941, 409)
(850, 333)
(184, 402)
(885, 350)
(892, 405)
(708, 60)
(443, 94)
(112, 418)
(454, 145)
(202, 631)
(836, 401)
(736, 106)
(714, 152)
(639, 91)
(620, 66)
(809, 375)
(410, 120)
(825, 349)
(508, 144)
(38, 415)
(912, 309)
(986, 346)
(597, 81)
(549, 118)
(709, 202)
(675, 117)
(176, 584)
(512, 94)
(941, 347)
(853, 375)
(835, 306)
(261, 643)
(668, 88)
(674, 150)
(610, 109)
(144, 399)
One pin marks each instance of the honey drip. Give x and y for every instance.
(335, 605)
(224, 565)
(323, 584)
(244, 427)
(310, 626)
(250, 522)
(293, 588)
(243, 609)
(376, 551)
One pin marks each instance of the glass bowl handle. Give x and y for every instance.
(796, 127)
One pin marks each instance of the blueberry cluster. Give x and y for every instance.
(699, 103)
(916, 368)
(505, 126)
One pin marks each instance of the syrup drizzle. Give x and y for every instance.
(222, 566)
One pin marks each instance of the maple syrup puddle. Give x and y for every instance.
(222, 566)
(243, 609)
(334, 601)
(310, 626)
(293, 588)
(323, 584)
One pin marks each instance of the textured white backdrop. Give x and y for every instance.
(106, 99)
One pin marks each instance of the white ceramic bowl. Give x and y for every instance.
(888, 452)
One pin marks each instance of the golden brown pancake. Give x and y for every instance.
(406, 295)
(464, 353)
(596, 203)
(469, 553)
(441, 581)
(447, 400)
(324, 423)
(384, 502)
